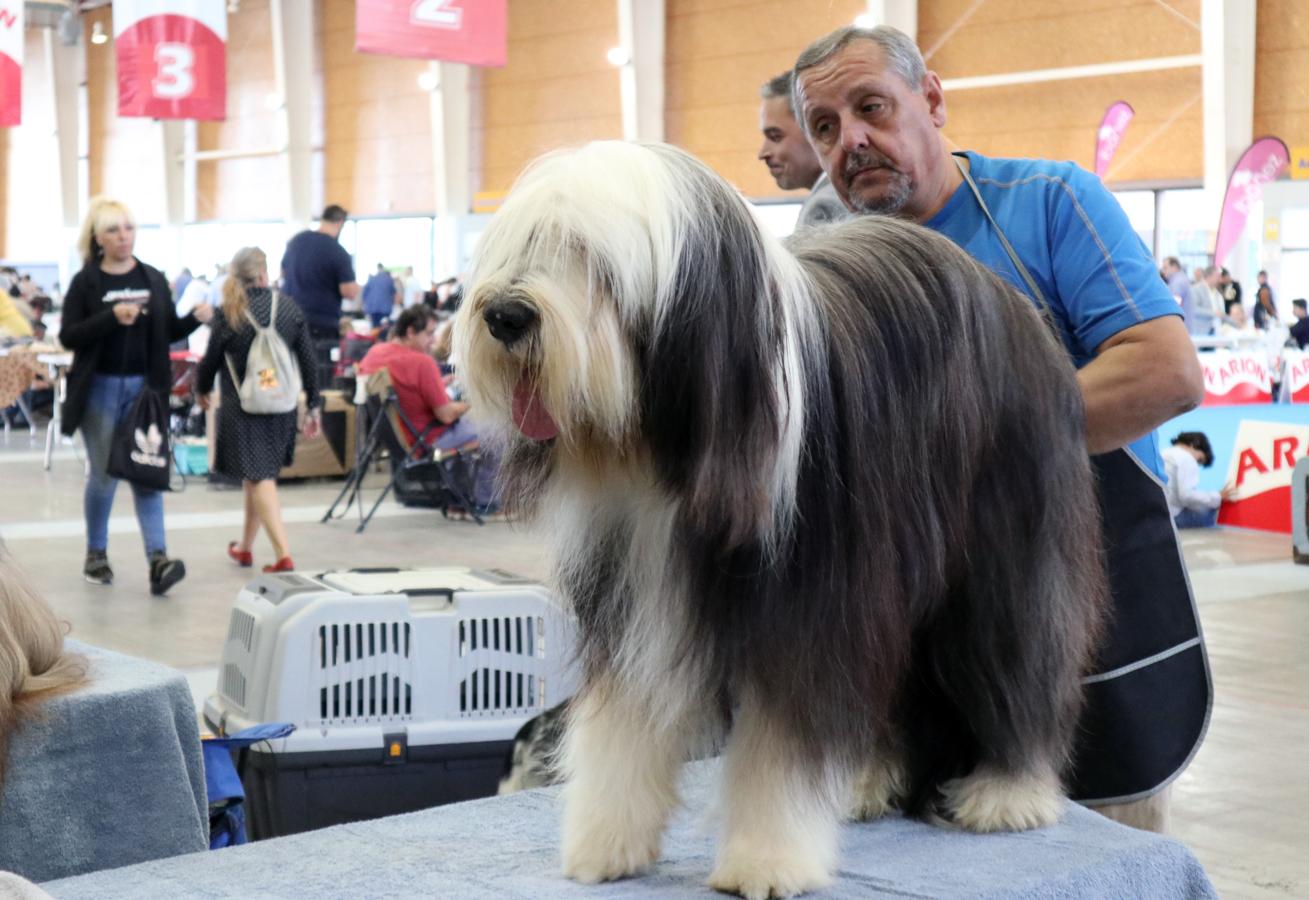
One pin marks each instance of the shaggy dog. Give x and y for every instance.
(832, 501)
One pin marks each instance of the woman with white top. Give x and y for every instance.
(1190, 506)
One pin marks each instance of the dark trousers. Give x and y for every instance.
(325, 340)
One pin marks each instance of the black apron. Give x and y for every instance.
(1148, 701)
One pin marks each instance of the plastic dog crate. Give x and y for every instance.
(406, 687)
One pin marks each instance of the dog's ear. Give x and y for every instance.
(712, 374)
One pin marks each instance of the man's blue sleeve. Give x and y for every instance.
(1105, 276)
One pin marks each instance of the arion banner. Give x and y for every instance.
(1232, 377)
(1263, 461)
(1295, 376)
(11, 62)
(462, 31)
(1263, 161)
(172, 58)
(1112, 128)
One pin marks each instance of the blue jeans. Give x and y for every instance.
(1196, 518)
(110, 399)
(456, 436)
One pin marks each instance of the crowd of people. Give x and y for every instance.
(121, 317)
(1213, 305)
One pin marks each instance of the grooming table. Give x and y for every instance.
(107, 775)
(508, 847)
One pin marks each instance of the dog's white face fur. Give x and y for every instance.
(599, 242)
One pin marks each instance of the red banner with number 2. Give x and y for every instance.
(463, 31)
(172, 58)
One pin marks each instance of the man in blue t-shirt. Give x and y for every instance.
(380, 295)
(874, 114)
(318, 273)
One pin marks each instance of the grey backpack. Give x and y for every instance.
(272, 375)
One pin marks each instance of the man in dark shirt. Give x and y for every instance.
(1300, 330)
(317, 273)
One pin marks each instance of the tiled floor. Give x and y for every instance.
(1239, 806)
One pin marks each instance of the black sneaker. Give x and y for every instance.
(164, 573)
(96, 570)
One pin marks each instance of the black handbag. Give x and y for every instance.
(140, 452)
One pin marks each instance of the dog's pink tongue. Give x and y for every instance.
(530, 414)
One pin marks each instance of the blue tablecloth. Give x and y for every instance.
(107, 775)
(508, 847)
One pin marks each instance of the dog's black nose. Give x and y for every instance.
(509, 320)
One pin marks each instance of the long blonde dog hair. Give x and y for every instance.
(242, 273)
(33, 662)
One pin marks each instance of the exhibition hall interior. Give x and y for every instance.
(616, 448)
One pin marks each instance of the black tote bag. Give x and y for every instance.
(140, 452)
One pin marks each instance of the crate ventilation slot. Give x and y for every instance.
(519, 635)
(370, 696)
(496, 691)
(242, 629)
(234, 685)
(344, 643)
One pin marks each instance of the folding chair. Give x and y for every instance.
(419, 475)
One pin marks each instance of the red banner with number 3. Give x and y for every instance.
(463, 31)
(172, 58)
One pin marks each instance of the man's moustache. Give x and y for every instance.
(856, 164)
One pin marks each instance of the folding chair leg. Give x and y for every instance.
(355, 481)
(386, 490)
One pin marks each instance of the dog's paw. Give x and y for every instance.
(993, 801)
(594, 854)
(760, 876)
(877, 789)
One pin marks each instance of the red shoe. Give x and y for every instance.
(282, 565)
(245, 559)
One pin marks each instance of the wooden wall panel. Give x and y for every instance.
(124, 155)
(1281, 70)
(377, 122)
(719, 52)
(557, 89)
(1020, 35)
(1058, 120)
(249, 188)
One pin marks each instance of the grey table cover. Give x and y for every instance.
(507, 847)
(106, 776)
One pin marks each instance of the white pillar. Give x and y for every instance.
(1227, 44)
(452, 135)
(293, 73)
(67, 66)
(641, 79)
(172, 136)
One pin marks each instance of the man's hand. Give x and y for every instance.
(126, 313)
(203, 312)
(1228, 491)
(203, 401)
(1140, 378)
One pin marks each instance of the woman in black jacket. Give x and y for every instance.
(255, 447)
(118, 320)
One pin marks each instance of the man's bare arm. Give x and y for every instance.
(1140, 378)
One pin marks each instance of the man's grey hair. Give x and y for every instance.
(778, 86)
(899, 50)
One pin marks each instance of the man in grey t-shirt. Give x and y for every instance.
(791, 160)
